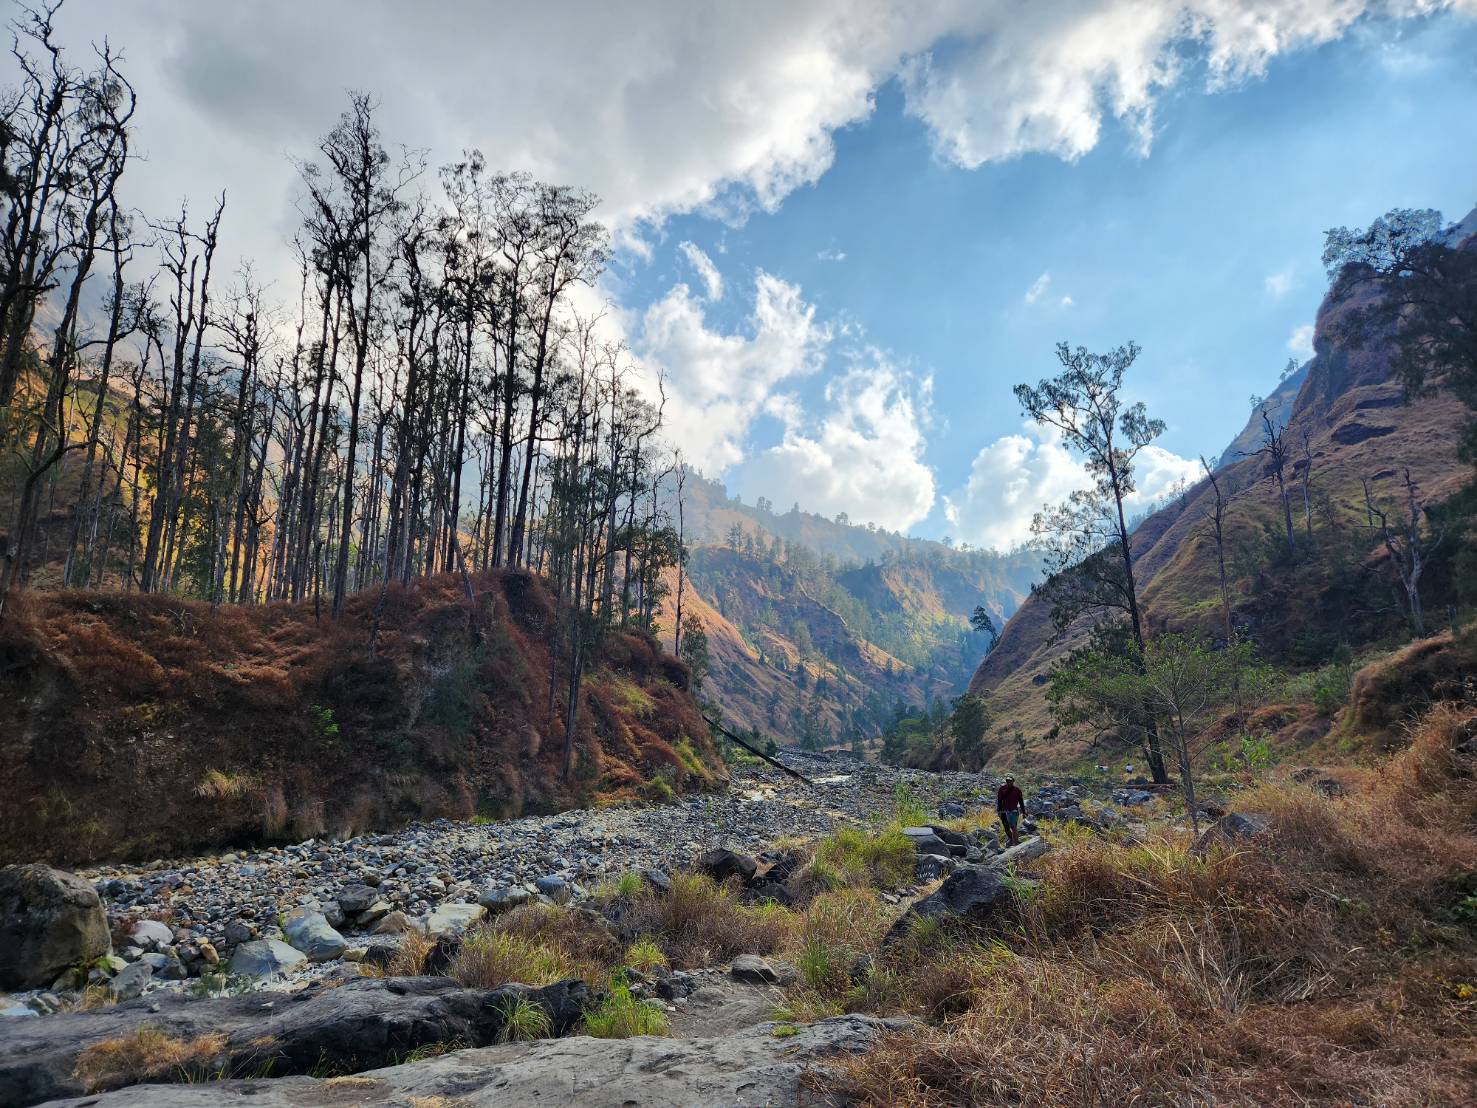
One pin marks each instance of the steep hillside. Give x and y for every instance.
(1340, 594)
(809, 653)
(139, 726)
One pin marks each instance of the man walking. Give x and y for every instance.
(1010, 802)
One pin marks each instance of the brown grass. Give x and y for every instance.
(702, 923)
(149, 1054)
(1321, 964)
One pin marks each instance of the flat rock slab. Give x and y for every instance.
(355, 1026)
(751, 1068)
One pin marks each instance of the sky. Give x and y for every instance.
(845, 228)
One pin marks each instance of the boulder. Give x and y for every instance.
(753, 969)
(951, 809)
(957, 843)
(721, 864)
(926, 842)
(131, 981)
(498, 899)
(555, 888)
(362, 1023)
(930, 867)
(394, 923)
(657, 880)
(450, 919)
(265, 958)
(1230, 831)
(975, 892)
(50, 920)
(310, 932)
(753, 1066)
(1027, 850)
(150, 934)
(357, 898)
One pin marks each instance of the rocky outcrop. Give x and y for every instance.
(49, 921)
(365, 1023)
(753, 1067)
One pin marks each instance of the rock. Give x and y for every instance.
(311, 933)
(394, 923)
(977, 892)
(502, 898)
(555, 888)
(130, 983)
(722, 864)
(450, 919)
(265, 958)
(753, 969)
(1027, 850)
(1230, 830)
(362, 1023)
(334, 914)
(356, 898)
(956, 842)
(150, 934)
(1130, 798)
(49, 920)
(208, 954)
(238, 932)
(951, 809)
(930, 867)
(751, 1067)
(657, 880)
(926, 842)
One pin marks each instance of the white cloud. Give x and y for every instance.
(1278, 284)
(1014, 476)
(1300, 342)
(662, 107)
(1038, 288)
(718, 383)
(706, 270)
(831, 255)
(1067, 301)
(863, 456)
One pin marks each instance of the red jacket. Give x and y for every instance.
(1009, 798)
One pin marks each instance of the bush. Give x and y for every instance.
(699, 922)
(884, 858)
(524, 1020)
(621, 1016)
(149, 1054)
(1326, 688)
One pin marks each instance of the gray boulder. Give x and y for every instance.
(976, 893)
(1230, 830)
(752, 1067)
(555, 888)
(150, 934)
(450, 919)
(926, 842)
(357, 898)
(129, 982)
(365, 1023)
(753, 969)
(502, 898)
(1027, 850)
(49, 920)
(311, 933)
(265, 958)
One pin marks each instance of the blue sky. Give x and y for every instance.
(847, 227)
(1205, 251)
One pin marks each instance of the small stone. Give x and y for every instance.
(131, 981)
(555, 888)
(502, 898)
(150, 934)
(394, 923)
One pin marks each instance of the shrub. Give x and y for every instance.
(524, 1020)
(699, 922)
(908, 809)
(645, 955)
(621, 1016)
(489, 959)
(884, 858)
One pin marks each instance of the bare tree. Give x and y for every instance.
(1404, 545)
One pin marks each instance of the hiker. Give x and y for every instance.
(1010, 802)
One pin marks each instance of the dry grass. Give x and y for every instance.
(149, 1054)
(537, 945)
(1321, 964)
(701, 923)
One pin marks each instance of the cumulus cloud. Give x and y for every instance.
(661, 107)
(1038, 288)
(1014, 476)
(1300, 342)
(706, 270)
(863, 455)
(719, 383)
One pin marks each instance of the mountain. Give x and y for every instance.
(808, 651)
(1350, 411)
